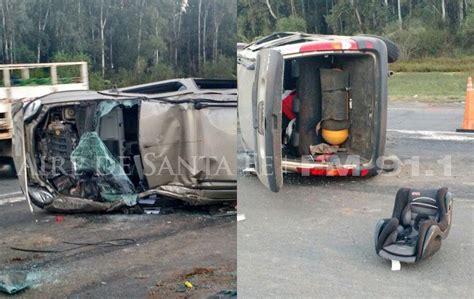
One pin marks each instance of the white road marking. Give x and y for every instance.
(437, 135)
(11, 200)
(8, 195)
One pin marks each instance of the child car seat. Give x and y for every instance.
(420, 220)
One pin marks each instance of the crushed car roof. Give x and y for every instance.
(173, 90)
(79, 95)
(180, 87)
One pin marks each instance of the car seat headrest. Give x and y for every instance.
(424, 202)
(421, 205)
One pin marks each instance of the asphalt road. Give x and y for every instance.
(315, 237)
(425, 116)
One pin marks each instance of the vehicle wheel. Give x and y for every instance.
(393, 51)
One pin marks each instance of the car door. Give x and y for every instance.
(18, 148)
(245, 78)
(266, 97)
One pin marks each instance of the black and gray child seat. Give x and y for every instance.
(420, 220)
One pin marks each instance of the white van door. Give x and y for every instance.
(267, 97)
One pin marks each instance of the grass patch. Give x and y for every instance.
(441, 64)
(428, 87)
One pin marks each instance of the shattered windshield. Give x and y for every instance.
(93, 161)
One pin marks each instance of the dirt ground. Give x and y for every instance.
(160, 253)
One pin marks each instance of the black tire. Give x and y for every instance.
(393, 51)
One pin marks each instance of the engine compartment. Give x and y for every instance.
(89, 150)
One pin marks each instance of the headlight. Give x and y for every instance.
(31, 110)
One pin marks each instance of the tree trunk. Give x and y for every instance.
(316, 17)
(400, 22)
(80, 26)
(293, 8)
(461, 12)
(218, 16)
(179, 33)
(157, 34)
(303, 9)
(356, 11)
(204, 35)
(12, 39)
(443, 10)
(270, 9)
(174, 44)
(111, 52)
(41, 29)
(92, 27)
(216, 37)
(199, 36)
(139, 43)
(103, 22)
(6, 58)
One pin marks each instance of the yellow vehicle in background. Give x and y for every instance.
(22, 81)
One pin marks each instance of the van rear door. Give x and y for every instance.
(267, 97)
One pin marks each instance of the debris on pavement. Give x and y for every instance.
(198, 282)
(220, 211)
(142, 276)
(241, 217)
(78, 245)
(198, 271)
(396, 266)
(391, 163)
(188, 284)
(152, 211)
(224, 294)
(16, 281)
(180, 288)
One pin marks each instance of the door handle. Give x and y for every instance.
(261, 117)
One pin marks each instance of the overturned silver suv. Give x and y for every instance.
(87, 151)
(314, 104)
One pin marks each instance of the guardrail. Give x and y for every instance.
(17, 84)
(15, 87)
